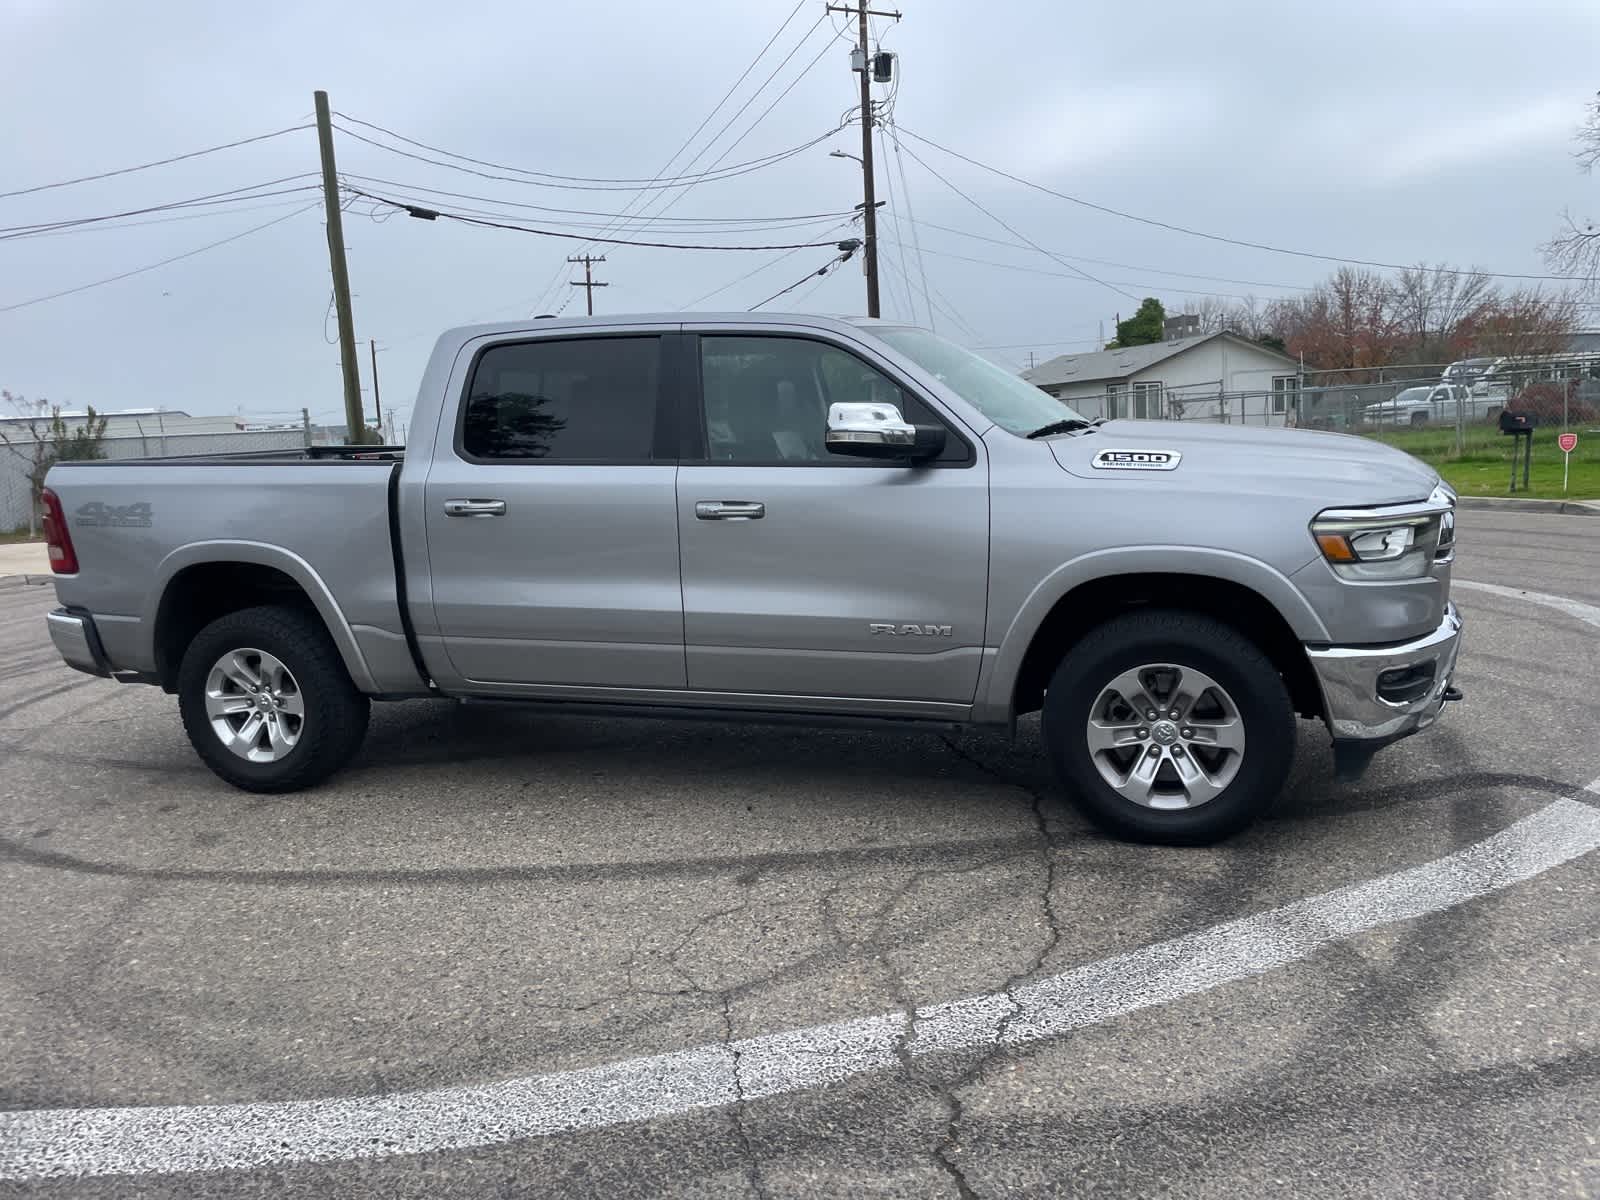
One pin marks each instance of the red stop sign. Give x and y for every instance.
(1568, 442)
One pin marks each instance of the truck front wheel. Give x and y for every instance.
(266, 701)
(1169, 727)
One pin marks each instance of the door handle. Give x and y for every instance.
(729, 510)
(474, 508)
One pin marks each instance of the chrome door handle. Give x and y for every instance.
(474, 508)
(729, 510)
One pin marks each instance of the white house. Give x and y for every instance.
(1217, 377)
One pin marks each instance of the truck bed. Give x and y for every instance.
(321, 516)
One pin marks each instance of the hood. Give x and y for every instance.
(1325, 468)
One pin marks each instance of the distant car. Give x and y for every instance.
(1435, 404)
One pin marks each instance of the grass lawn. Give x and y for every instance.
(1484, 466)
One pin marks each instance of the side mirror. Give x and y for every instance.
(879, 431)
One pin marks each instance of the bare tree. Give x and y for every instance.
(1526, 323)
(1436, 309)
(42, 438)
(1575, 249)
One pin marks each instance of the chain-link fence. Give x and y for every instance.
(14, 466)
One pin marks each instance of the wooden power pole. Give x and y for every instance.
(377, 402)
(869, 189)
(354, 423)
(587, 283)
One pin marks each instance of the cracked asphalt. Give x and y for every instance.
(488, 894)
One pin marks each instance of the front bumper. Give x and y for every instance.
(78, 641)
(1352, 677)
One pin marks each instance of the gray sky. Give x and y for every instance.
(1396, 132)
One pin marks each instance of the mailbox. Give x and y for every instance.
(1516, 422)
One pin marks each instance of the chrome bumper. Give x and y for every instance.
(1350, 678)
(77, 641)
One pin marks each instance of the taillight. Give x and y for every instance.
(63, 558)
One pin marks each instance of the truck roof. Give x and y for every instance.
(612, 320)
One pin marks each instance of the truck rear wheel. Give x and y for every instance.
(1169, 727)
(266, 700)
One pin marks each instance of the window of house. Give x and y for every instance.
(767, 400)
(572, 400)
(1113, 401)
(1285, 390)
(1147, 399)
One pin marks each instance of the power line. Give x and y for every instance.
(646, 219)
(429, 214)
(905, 190)
(160, 162)
(771, 262)
(1014, 233)
(193, 216)
(1217, 237)
(152, 266)
(822, 270)
(13, 231)
(585, 212)
(659, 184)
(641, 196)
(905, 273)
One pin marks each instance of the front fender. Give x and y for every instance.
(998, 684)
(266, 555)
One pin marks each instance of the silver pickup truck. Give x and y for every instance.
(780, 518)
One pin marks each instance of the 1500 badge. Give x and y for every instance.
(1137, 460)
(124, 516)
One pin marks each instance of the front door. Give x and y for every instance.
(552, 535)
(810, 575)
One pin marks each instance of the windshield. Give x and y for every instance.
(1010, 402)
(1414, 395)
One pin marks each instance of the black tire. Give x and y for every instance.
(336, 713)
(1186, 640)
(1419, 418)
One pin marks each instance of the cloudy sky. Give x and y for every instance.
(1398, 132)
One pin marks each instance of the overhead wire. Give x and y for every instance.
(771, 262)
(443, 214)
(164, 262)
(186, 216)
(1015, 233)
(250, 192)
(160, 162)
(585, 212)
(641, 196)
(823, 270)
(894, 207)
(1216, 237)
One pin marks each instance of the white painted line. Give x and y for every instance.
(1573, 608)
(115, 1141)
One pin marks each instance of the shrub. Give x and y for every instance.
(1544, 402)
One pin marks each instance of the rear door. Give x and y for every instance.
(552, 534)
(810, 576)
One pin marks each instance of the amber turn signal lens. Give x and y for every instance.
(1335, 548)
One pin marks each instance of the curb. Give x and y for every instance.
(16, 581)
(1583, 508)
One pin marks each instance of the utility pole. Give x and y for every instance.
(354, 424)
(377, 404)
(305, 424)
(869, 207)
(587, 283)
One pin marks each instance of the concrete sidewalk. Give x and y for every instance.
(24, 558)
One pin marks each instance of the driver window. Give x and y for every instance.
(767, 399)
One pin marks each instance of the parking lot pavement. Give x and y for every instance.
(528, 910)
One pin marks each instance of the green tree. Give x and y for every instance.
(1143, 328)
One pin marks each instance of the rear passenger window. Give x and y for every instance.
(574, 400)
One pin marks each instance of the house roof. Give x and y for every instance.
(1119, 364)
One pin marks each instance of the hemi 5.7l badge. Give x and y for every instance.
(1137, 460)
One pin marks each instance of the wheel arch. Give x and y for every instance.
(202, 581)
(1243, 592)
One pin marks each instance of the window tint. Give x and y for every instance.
(767, 399)
(577, 400)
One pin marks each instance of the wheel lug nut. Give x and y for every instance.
(1153, 715)
(1144, 732)
(1188, 733)
(1177, 752)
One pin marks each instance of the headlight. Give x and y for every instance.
(1379, 544)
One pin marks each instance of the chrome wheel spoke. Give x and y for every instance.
(1165, 736)
(1108, 735)
(255, 705)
